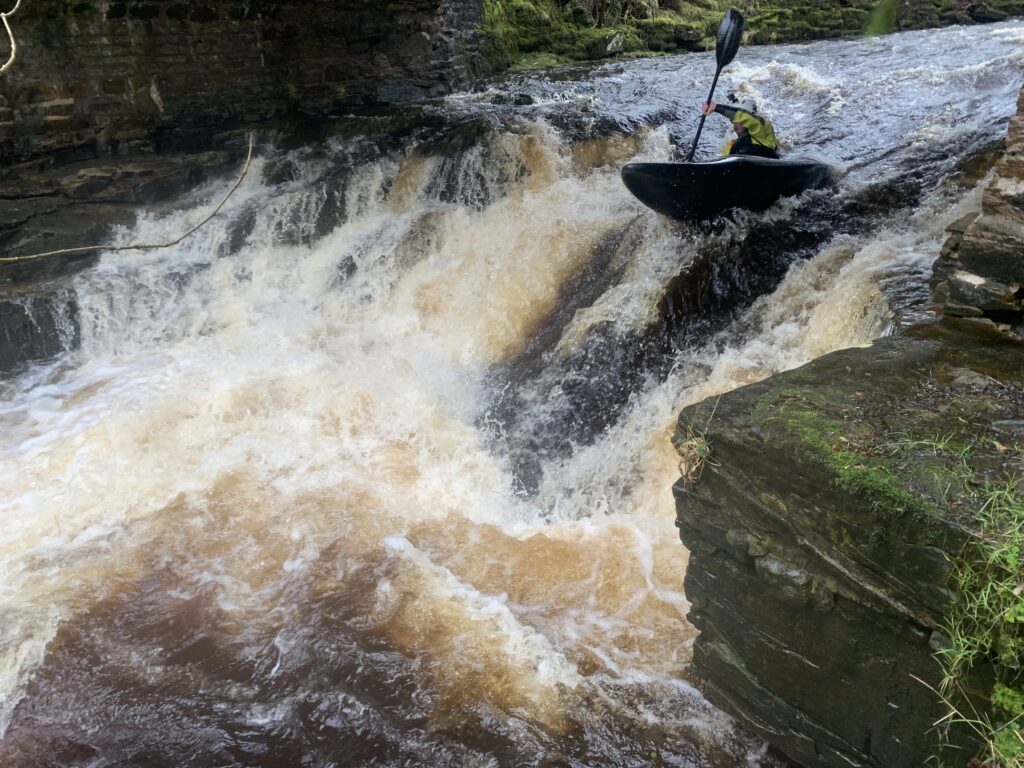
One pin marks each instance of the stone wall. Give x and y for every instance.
(110, 75)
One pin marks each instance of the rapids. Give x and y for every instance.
(376, 467)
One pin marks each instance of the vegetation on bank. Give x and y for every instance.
(986, 627)
(535, 33)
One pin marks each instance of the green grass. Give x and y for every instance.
(527, 34)
(694, 450)
(986, 627)
(900, 442)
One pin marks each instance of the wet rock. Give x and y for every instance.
(980, 272)
(517, 99)
(986, 295)
(36, 325)
(813, 637)
(615, 44)
(971, 170)
(960, 226)
(1011, 426)
(56, 207)
(984, 14)
(458, 138)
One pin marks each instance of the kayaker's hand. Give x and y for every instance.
(708, 107)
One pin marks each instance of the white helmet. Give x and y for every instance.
(746, 105)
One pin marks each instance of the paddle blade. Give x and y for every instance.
(730, 33)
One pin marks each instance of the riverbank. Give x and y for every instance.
(527, 34)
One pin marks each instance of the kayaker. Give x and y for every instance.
(754, 133)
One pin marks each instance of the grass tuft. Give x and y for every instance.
(694, 451)
(986, 624)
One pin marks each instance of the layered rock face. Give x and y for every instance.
(110, 75)
(823, 527)
(980, 273)
(821, 534)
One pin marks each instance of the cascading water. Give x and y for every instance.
(375, 468)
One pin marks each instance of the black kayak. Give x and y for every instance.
(693, 191)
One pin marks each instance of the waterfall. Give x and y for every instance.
(375, 467)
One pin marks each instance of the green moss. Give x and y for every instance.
(854, 19)
(501, 36)
(539, 60)
(556, 33)
(668, 33)
(908, 481)
(1010, 701)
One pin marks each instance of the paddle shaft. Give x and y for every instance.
(711, 93)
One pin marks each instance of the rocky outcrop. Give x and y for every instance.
(75, 204)
(980, 273)
(72, 206)
(821, 533)
(110, 76)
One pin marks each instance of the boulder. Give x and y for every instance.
(821, 531)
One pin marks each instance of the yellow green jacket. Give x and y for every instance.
(759, 129)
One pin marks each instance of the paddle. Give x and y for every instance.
(730, 32)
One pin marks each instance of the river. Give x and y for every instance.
(375, 468)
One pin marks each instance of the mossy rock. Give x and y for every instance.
(666, 33)
(772, 18)
(539, 60)
(828, 20)
(797, 30)
(524, 14)
(763, 36)
(857, 476)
